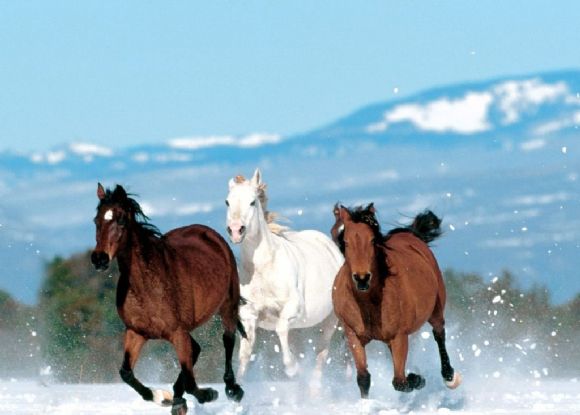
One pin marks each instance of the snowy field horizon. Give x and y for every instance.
(498, 160)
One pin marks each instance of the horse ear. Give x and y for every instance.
(100, 191)
(371, 207)
(231, 184)
(257, 178)
(119, 193)
(336, 211)
(344, 215)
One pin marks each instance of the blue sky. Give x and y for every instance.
(123, 73)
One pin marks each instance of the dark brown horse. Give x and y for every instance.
(388, 287)
(168, 285)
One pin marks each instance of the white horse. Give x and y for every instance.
(290, 274)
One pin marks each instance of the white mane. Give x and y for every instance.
(271, 217)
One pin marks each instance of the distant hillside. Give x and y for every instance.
(499, 160)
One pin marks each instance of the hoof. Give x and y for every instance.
(206, 395)
(411, 383)
(235, 393)
(179, 407)
(291, 370)
(162, 397)
(455, 382)
(415, 381)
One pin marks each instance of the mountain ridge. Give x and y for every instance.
(504, 177)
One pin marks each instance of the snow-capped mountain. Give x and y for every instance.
(499, 160)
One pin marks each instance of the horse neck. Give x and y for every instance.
(131, 256)
(258, 246)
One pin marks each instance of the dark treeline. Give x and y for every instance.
(75, 331)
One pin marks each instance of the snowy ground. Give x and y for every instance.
(490, 397)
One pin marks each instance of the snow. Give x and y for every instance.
(531, 145)
(469, 114)
(200, 142)
(520, 96)
(493, 395)
(89, 149)
(466, 115)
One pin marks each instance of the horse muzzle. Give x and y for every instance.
(362, 281)
(236, 233)
(100, 260)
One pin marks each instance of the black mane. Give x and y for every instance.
(426, 225)
(367, 216)
(364, 215)
(130, 205)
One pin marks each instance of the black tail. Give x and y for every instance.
(427, 226)
(241, 329)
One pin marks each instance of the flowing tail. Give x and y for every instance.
(241, 329)
(426, 226)
(239, 324)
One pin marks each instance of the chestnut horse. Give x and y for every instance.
(388, 287)
(168, 285)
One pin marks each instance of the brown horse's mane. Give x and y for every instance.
(131, 206)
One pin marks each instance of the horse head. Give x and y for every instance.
(115, 212)
(361, 214)
(243, 206)
(360, 237)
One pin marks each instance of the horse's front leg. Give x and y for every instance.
(359, 354)
(288, 314)
(187, 353)
(133, 344)
(399, 349)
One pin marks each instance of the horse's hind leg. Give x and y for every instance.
(187, 353)
(399, 349)
(133, 344)
(247, 344)
(437, 321)
(229, 316)
(327, 329)
(233, 390)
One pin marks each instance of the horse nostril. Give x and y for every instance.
(229, 230)
(366, 277)
(100, 260)
(242, 229)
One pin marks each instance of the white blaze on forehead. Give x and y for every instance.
(108, 215)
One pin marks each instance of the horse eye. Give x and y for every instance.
(227, 203)
(253, 203)
(121, 221)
